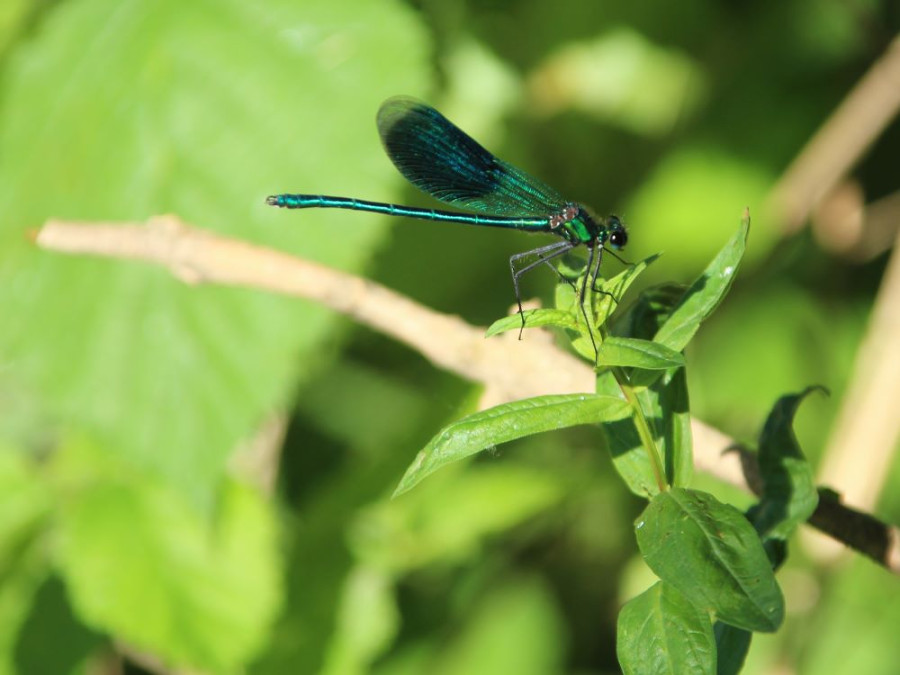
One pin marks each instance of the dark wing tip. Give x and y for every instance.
(395, 109)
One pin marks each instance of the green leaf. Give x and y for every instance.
(567, 300)
(533, 319)
(660, 631)
(649, 312)
(583, 346)
(612, 290)
(710, 552)
(571, 265)
(198, 109)
(732, 645)
(705, 293)
(507, 422)
(208, 591)
(565, 297)
(616, 351)
(618, 285)
(665, 405)
(602, 304)
(669, 395)
(789, 494)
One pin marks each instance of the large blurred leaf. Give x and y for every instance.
(367, 622)
(447, 519)
(25, 505)
(142, 565)
(686, 206)
(621, 77)
(121, 110)
(12, 18)
(856, 623)
(517, 628)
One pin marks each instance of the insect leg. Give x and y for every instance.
(590, 273)
(545, 254)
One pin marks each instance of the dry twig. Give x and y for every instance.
(509, 369)
(861, 447)
(841, 141)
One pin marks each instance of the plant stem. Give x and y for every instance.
(640, 420)
(643, 428)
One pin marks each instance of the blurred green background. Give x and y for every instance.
(131, 538)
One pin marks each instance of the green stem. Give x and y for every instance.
(643, 428)
(640, 420)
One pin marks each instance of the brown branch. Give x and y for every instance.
(857, 530)
(509, 369)
(199, 256)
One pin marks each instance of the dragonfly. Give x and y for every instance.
(443, 161)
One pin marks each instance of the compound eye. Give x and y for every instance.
(618, 238)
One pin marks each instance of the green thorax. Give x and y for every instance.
(578, 225)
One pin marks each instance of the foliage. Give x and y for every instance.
(712, 563)
(131, 535)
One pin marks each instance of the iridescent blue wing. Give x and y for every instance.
(440, 159)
